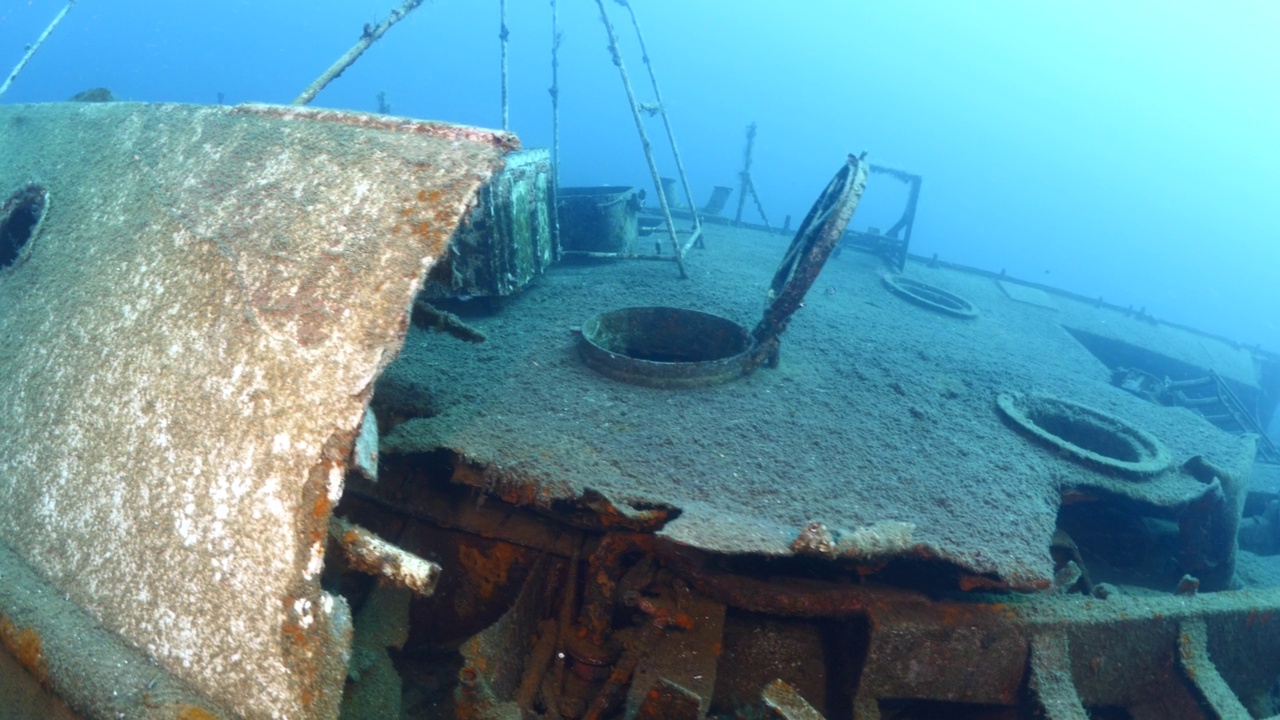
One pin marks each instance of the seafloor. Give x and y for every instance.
(880, 421)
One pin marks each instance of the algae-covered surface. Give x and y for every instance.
(880, 421)
(186, 351)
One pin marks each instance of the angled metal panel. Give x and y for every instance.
(185, 356)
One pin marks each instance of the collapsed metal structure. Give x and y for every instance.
(660, 594)
(1002, 529)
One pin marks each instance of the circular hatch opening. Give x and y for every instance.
(20, 218)
(930, 296)
(1086, 435)
(675, 348)
(665, 346)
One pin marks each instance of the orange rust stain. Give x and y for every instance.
(518, 494)
(1184, 646)
(1005, 611)
(466, 475)
(188, 712)
(26, 647)
(294, 633)
(302, 646)
(350, 537)
(977, 582)
(1188, 655)
(951, 615)
(488, 570)
(430, 216)
(322, 507)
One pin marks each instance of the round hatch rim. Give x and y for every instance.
(929, 296)
(1030, 410)
(731, 362)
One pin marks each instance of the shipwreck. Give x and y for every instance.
(316, 414)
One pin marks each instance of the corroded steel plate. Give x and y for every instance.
(186, 354)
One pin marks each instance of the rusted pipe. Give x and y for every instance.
(622, 672)
(371, 554)
(565, 626)
(536, 665)
(616, 255)
(604, 570)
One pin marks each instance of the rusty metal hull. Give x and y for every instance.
(882, 425)
(869, 521)
(186, 353)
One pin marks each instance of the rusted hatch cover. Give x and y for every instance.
(677, 347)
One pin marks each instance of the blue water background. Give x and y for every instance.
(1124, 150)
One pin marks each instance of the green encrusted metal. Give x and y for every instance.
(507, 239)
(599, 219)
